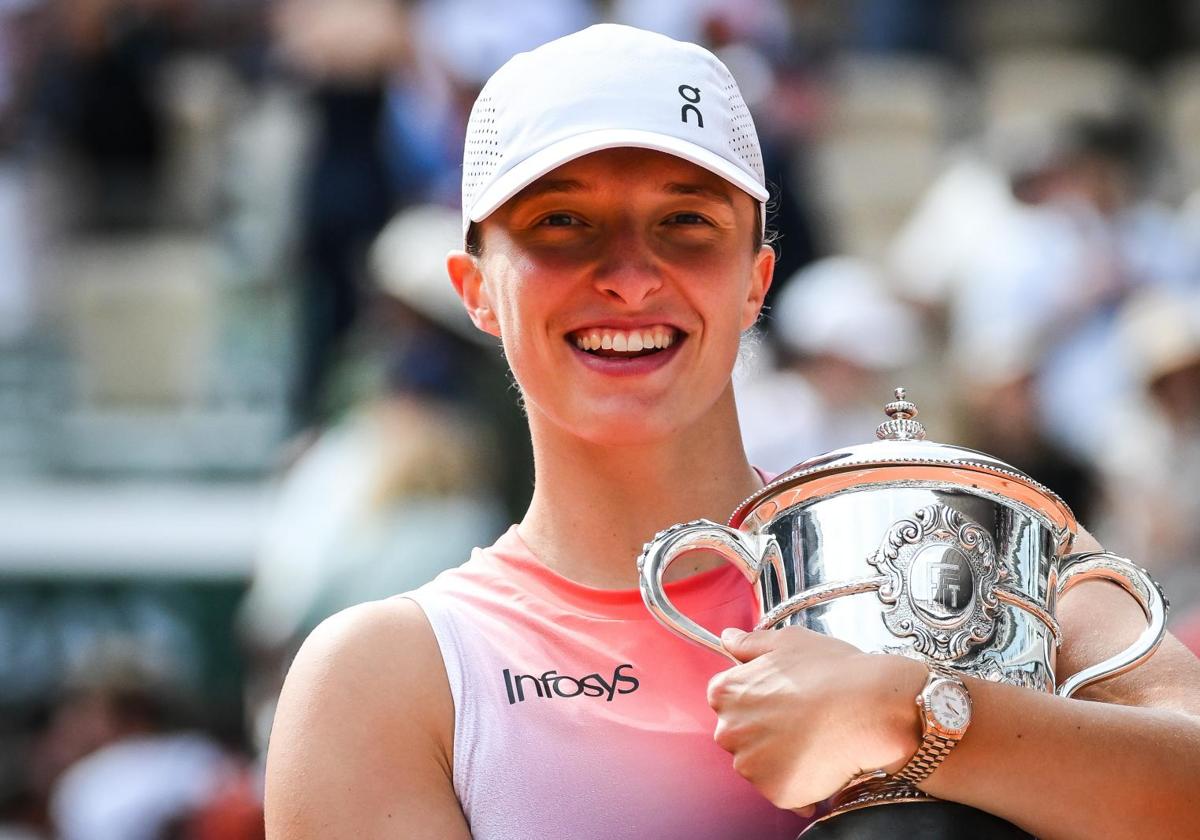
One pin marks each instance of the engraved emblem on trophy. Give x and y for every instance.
(912, 547)
(936, 561)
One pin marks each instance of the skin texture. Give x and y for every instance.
(361, 746)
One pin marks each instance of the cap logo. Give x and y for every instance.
(690, 106)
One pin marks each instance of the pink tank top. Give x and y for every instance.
(578, 716)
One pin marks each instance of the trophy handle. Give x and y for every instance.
(1075, 568)
(748, 553)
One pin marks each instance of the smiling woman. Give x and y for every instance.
(637, 244)
(607, 209)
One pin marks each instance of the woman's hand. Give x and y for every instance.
(805, 713)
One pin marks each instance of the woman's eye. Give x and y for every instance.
(558, 220)
(688, 219)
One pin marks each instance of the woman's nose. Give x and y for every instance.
(630, 273)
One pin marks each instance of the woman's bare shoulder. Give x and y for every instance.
(364, 729)
(374, 644)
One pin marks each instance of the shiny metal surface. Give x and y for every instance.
(750, 553)
(901, 423)
(1135, 580)
(833, 544)
(903, 453)
(910, 547)
(890, 461)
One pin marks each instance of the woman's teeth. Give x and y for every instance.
(625, 341)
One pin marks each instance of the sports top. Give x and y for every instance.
(578, 716)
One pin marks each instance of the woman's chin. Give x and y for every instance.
(631, 427)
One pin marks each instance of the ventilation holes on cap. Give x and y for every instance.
(481, 155)
(742, 138)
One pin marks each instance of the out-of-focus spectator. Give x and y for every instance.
(998, 395)
(344, 43)
(838, 332)
(765, 23)
(901, 26)
(959, 219)
(128, 763)
(472, 38)
(347, 50)
(379, 504)
(407, 483)
(406, 461)
(426, 340)
(100, 95)
(453, 55)
(1151, 458)
(137, 787)
(1056, 276)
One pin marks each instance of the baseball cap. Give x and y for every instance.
(604, 87)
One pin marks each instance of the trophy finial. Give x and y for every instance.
(900, 424)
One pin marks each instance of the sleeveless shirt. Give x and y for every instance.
(577, 715)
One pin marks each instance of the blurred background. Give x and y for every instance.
(237, 393)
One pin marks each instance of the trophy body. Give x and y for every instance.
(914, 548)
(933, 596)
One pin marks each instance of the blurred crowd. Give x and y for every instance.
(222, 232)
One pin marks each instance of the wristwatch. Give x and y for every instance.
(945, 706)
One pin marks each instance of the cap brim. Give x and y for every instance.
(564, 151)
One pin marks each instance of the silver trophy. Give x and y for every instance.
(916, 548)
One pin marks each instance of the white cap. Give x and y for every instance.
(605, 87)
(408, 261)
(840, 306)
(1161, 330)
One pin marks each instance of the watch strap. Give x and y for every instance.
(933, 750)
(934, 746)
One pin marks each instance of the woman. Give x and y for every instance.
(613, 218)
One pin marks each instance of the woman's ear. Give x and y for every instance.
(467, 278)
(760, 282)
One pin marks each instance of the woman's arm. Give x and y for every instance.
(805, 713)
(361, 744)
(1128, 766)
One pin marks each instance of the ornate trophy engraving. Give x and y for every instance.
(942, 571)
(911, 547)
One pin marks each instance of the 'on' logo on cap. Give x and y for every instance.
(692, 96)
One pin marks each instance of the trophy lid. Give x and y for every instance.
(902, 453)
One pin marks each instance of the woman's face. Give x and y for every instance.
(619, 284)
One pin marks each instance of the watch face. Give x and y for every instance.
(950, 705)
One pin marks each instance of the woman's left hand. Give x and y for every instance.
(805, 713)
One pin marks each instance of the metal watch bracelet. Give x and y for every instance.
(934, 747)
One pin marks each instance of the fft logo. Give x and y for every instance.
(553, 684)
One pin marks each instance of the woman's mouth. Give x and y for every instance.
(611, 343)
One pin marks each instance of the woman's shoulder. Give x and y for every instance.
(365, 629)
(366, 697)
(386, 645)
